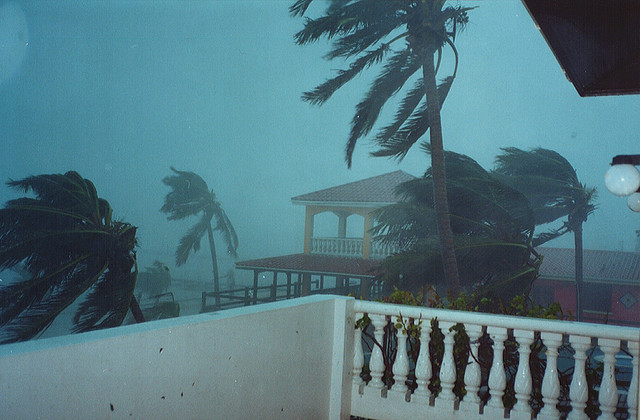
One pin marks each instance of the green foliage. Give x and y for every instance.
(493, 226)
(70, 246)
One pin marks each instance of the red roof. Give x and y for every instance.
(598, 265)
(313, 264)
(377, 189)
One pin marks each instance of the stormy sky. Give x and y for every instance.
(121, 90)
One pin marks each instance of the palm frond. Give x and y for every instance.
(396, 139)
(191, 240)
(324, 91)
(394, 75)
(189, 195)
(224, 226)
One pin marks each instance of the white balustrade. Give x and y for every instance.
(448, 366)
(423, 364)
(472, 374)
(401, 364)
(608, 395)
(358, 355)
(497, 376)
(350, 247)
(376, 363)
(523, 383)
(565, 344)
(579, 388)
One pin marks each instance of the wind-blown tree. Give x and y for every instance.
(69, 247)
(552, 186)
(492, 223)
(408, 36)
(190, 196)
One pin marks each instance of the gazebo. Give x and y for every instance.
(339, 257)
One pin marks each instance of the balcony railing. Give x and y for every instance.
(349, 247)
(568, 354)
(303, 358)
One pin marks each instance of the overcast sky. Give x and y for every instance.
(120, 91)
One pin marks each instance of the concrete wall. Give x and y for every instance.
(288, 360)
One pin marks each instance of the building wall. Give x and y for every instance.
(285, 360)
(602, 302)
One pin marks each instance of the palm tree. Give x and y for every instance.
(366, 31)
(552, 186)
(492, 223)
(191, 196)
(70, 247)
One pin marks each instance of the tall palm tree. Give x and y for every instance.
(552, 186)
(367, 31)
(70, 247)
(191, 196)
(492, 223)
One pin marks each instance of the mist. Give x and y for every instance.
(120, 91)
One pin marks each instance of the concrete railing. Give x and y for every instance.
(520, 368)
(349, 247)
(303, 358)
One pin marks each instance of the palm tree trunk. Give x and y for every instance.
(134, 307)
(214, 262)
(577, 238)
(443, 218)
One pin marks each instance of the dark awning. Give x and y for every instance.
(597, 42)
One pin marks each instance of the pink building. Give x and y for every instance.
(611, 286)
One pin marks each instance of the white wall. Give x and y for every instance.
(286, 360)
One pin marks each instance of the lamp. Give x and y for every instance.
(623, 178)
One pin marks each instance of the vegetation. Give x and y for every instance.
(190, 196)
(366, 32)
(70, 248)
(552, 187)
(154, 280)
(493, 226)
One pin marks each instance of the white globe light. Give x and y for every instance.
(634, 201)
(622, 179)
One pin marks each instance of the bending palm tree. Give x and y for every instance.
(191, 196)
(69, 245)
(366, 30)
(493, 226)
(551, 184)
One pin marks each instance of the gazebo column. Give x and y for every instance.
(308, 228)
(342, 224)
(366, 237)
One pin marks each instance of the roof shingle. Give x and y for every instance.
(598, 265)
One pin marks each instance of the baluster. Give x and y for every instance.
(579, 388)
(401, 364)
(608, 395)
(632, 395)
(448, 368)
(523, 385)
(423, 364)
(358, 354)
(550, 382)
(497, 376)
(376, 363)
(472, 374)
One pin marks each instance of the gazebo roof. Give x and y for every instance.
(313, 264)
(596, 42)
(375, 191)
